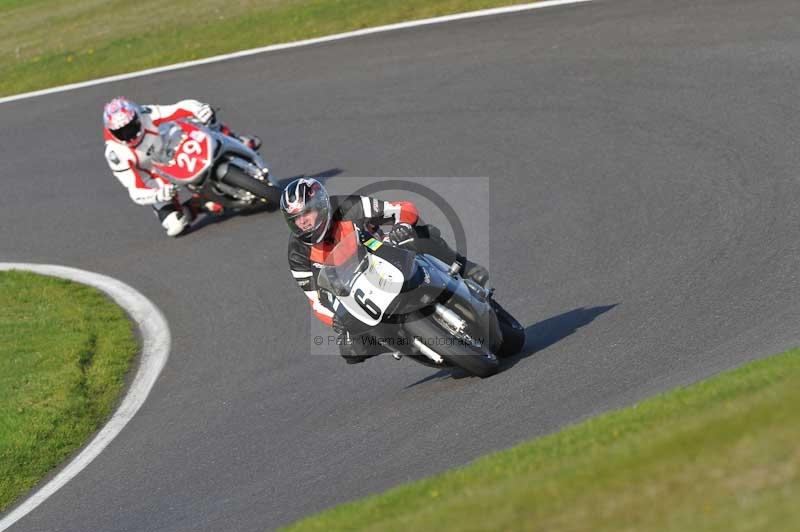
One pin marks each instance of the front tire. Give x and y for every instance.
(453, 351)
(236, 178)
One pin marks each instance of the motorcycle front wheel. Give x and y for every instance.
(454, 351)
(236, 178)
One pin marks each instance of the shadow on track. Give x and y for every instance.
(542, 335)
(208, 219)
(538, 336)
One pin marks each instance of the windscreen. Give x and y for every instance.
(347, 258)
(171, 135)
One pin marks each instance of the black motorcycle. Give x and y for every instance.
(418, 307)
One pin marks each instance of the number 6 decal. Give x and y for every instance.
(369, 306)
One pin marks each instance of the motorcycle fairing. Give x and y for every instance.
(186, 152)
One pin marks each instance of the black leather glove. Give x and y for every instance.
(401, 233)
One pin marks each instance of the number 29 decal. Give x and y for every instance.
(188, 149)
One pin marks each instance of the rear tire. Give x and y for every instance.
(454, 352)
(236, 178)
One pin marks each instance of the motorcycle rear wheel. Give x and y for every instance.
(513, 332)
(454, 352)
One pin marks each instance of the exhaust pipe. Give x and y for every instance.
(450, 317)
(427, 351)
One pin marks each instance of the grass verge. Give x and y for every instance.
(44, 43)
(721, 455)
(64, 352)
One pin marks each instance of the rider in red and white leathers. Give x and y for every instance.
(131, 139)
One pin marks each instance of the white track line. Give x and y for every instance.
(155, 350)
(296, 44)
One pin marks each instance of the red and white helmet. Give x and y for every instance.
(121, 119)
(301, 197)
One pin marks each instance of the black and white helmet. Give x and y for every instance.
(302, 196)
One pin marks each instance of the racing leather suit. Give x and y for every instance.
(348, 213)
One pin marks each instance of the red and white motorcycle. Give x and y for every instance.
(214, 166)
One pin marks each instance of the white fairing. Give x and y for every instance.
(373, 290)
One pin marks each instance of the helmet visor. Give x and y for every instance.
(130, 131)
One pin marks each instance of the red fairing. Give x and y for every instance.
(192, 156)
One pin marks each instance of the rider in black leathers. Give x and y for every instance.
(318, 222)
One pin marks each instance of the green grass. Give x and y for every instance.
(64, 352)
(722, 455)
(44, 43)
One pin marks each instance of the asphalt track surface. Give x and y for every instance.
(643, 164)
